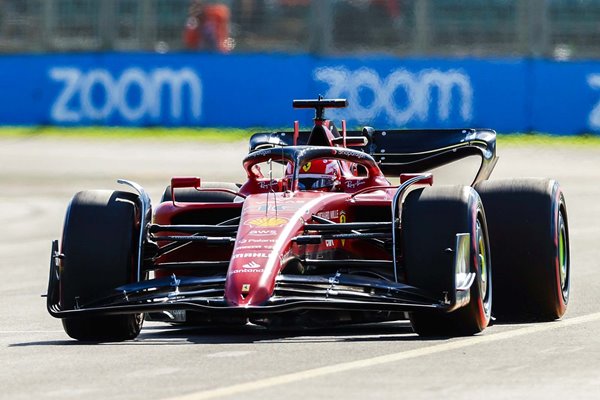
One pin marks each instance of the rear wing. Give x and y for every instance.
(405, 151)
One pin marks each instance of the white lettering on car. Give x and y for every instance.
(249, 255)
(246, 270)
(355, 184)
(262, 232)
(257, 241)
(254, 247)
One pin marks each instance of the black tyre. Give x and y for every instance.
(529, 235)
(100, 246)
(431, 218)
(191, 195)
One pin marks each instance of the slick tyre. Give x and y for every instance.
(99, 245)
(191, 195)
(529, 234)
(431, 218)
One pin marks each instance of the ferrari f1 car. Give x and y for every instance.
(329, 240)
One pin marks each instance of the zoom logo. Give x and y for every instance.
(96, 94)
(401, 96)
(593, 81)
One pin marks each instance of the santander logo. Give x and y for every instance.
(251, 265)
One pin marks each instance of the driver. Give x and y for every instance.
(319, 174)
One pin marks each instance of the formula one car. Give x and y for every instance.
(327, 241)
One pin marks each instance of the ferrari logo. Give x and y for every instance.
(267, 221)
(245, 288)
(306, 167)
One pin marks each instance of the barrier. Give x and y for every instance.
(201, 89)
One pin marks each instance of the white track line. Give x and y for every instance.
(244, 388)
(25, 332)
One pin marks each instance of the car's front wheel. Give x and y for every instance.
(99, 245)
(431, 218)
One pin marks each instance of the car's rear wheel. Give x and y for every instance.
(431, 218)
(99, 245)
(529, 235)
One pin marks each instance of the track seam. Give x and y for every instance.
(244, 388)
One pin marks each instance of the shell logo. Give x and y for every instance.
(343, 221)
(267, 221)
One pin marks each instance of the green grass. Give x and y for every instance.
(540, 139)
(234, 134)
(116, 133)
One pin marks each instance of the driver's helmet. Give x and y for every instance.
(319, 175)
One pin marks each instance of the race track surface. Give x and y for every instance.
(38, 176)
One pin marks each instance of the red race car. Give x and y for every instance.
(318, 236)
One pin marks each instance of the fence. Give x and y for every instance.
(559, 29)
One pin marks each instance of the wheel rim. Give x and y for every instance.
(563, 256)
(484, 270)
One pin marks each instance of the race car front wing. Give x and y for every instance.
(340, 291)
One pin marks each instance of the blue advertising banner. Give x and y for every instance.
(428, 93)
(198, 89)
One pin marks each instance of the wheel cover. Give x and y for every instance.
(563, 256)
(484, 270)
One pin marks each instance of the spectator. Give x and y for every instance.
(207, 27)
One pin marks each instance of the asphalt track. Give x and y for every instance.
(38, 176)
